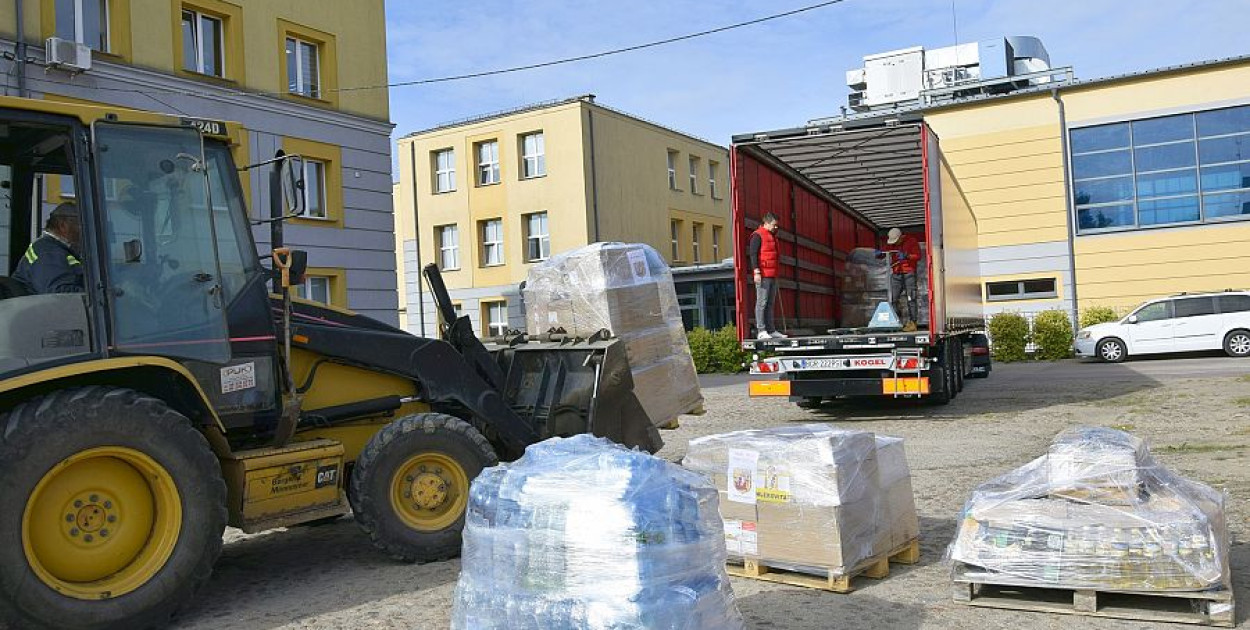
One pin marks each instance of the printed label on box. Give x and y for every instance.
(750, 539)
(774, 485)
(238, 377)
(742, 473)
(733, 537)
(638, 265)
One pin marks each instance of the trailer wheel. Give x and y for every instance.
(940, 393)
(410, 487)
(960, 369)
(811, 402)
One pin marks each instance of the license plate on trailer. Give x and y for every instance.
(840, 363)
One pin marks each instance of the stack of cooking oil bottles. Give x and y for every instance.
(1096, 512)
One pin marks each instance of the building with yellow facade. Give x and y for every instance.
(277, 67)
(486, 198)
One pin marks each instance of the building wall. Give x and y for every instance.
(347, 130)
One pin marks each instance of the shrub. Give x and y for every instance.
(1098, 315)
(1052, 332)
(1009, 334)
(717, 352)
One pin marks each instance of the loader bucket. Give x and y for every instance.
(564, 386)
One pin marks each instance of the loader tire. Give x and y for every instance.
(115, 507)
(410, 487)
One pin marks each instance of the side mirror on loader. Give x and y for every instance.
(291, 174)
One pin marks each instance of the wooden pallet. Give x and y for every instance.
(1207, 608)
(876, 567)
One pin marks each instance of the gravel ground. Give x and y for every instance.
(1194, 412)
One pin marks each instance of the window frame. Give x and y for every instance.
(323, 193)
(672, 169)
(300, 43)
(305, 288)
(197, 23)
(543, 239)
(716, 231)
(489, 167)
(696, 234)
(695, 165)
(538, 159)
(485, 308)
(79, 36)
(1207, 200)
(439, 171)
(1021, 294)
(674, 228)
(713, 169)
(483, 226)
(446, 246)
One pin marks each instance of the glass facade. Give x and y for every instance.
(1171, 170)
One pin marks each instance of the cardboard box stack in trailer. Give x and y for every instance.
(626, 289)
(809, 499)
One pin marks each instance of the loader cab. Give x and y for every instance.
(170, 266)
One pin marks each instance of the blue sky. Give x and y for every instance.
(774, 75)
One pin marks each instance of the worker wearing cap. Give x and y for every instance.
(904, 253)
(50, 264)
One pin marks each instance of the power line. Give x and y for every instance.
(484, 73)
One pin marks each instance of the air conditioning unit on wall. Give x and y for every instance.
(68, 55)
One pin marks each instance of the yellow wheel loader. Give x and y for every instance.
(182, 388)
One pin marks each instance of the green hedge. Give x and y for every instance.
(1052, 332)
(1009, 334)
(1098, 315)
(717, 351)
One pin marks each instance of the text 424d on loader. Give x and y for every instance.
(183, 389)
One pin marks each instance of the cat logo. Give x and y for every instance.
(327, 475)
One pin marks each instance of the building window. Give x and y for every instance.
(533, 155)
(203, 44)
(315, 190)
(672, 169)
(487, 163)
(84, 21)
(697, 233)
(1180, 169)
(716, 243)
(315, 288)
(448, 237)
(694, 175)
(674, 228)
(537, 237)
(492, 242)
(303, 68)
(495, 318)
(713, 169)
(1032, 289)
(444, 170)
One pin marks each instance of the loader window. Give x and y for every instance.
(234, 239)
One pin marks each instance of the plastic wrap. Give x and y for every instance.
(866, 283)
(807, 498)
(1095, 512)
(583, 533)
(628, 290)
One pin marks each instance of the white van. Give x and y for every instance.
(1205, 321)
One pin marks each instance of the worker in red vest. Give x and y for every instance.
(762, 250)
(904, 254)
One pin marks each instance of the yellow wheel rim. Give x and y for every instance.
(429, 491)
(101, 523)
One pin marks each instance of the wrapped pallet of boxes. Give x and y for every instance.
(628, 290)
(582, 533)
(1096, 512)
(866, 283)
(809, 499)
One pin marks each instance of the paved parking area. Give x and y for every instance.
(1194, 411)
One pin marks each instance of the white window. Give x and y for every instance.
(488, 163)
(84, 21)
(203, 44)
(697, 229)
(445, 170)
(672, 170)
(492, 242)
(537, 237)
(315, 190)
(674, 227)
(303, 68)
(716, 243)
(495, 318)
(694, 174)
(315, 288)
(712, 168)
(533, 155)
(448, 246)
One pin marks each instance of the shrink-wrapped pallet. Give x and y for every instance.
(1096, 512)
(866, 284)
(811, 498)
(626, 289)
(583, 533)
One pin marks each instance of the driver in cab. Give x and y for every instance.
(51, 263)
